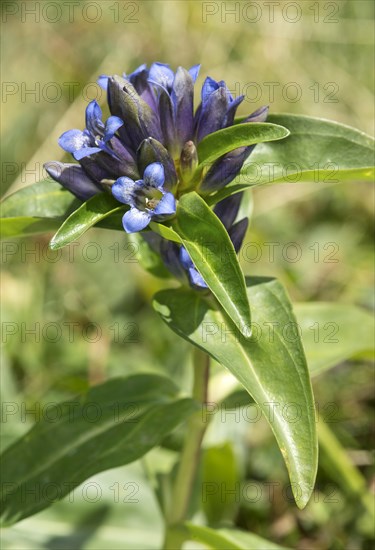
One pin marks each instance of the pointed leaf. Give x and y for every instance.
(113, 424)
(165, 232)
(317, 150)
(271, 365)
(88, 214)
(35, 209)
(207, 241)
(45, 199)
(223, 141)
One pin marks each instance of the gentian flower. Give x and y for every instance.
(147, 198)
(145, 153)
(217, 110)
(94, 138)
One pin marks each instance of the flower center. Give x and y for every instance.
(152, 198)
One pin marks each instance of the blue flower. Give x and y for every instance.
(147, 198)
(95, 137)
(146, 152)
(217, 110)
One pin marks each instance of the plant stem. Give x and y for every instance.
(190, 456)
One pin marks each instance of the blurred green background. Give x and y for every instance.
(319, 58)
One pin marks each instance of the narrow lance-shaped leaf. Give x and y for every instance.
(87, 215)
(38, 208)
(223, 141)
(209, 246)
(317, 150)
(271, 365)
(45, 199)
(113, 424)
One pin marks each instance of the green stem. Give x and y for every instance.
(190, 456)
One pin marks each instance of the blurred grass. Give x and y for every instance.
(75, 291)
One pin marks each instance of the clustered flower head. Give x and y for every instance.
(145, 153)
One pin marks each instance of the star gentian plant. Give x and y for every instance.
(173, 170)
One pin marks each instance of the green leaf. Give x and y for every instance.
(229, 539)
(45, 199)
(223, 141)
(88, 214)
(78, 523)
(316, 150)
(332, 333)
(22, 226)
(38, 208)
(165, 232)
(271, 365)
(207, 241)
(113, 424)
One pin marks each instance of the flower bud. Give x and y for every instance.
(188, 161)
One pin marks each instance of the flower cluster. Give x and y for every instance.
(145, 153)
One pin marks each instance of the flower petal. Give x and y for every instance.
(196, 278)
(154, 175)
(166, 206)
(260, 115)
(74, 140)
(185, 259)
(135, 220)
(112, 124)
(167, 120)
(103, 81)
(124, 190)
(162, 74)
(227, 209)
(85, 152)
(231, 113)
(194, 72)
(94, 115)
(225, 169)
(73, 178)
(209, 86)
(182, 97)
(213, 113)
(237, 233)
(132, 77)
(139, 79)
